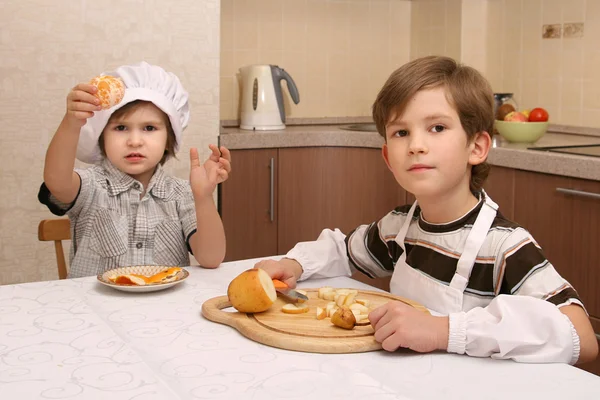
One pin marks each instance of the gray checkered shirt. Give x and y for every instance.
(112, 227)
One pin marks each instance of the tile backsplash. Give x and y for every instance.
(338, 52)
(436, 28)
(504, 39)
(547, 53)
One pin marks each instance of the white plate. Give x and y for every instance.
(147, 270)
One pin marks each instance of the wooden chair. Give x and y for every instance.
(56, 230)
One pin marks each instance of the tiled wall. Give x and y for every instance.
(474, 33)
(45, 49)
(338, 52)
(436, 28)
(561, 75)
(503, 39)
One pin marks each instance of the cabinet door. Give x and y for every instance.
(500, 186)
(566, 226)
(249, 204)
(333, 187)
(585, 241)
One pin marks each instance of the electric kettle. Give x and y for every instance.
(262, 100)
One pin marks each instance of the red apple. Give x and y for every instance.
(538, 115)
(515, 116)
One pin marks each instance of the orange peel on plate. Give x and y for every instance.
(168, 275)
(110, 90)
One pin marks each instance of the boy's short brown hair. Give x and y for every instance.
(127, 110)
(466, 89)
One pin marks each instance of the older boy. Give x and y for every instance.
(451, 250)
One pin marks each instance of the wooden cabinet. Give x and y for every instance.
(563, 215)
(248, 199)
(276, 198)
(585, 239)
(331, 187)
(500, 186)
(566, 225)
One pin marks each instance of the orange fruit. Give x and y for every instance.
(110, 90)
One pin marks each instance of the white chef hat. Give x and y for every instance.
(142, 82)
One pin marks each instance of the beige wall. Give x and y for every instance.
(503, 39)
(436, 28)
(338, 52)
(561, 75)
(48, 46)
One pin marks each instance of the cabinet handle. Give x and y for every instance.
(598, 336)
(581, 193)
(272, 192)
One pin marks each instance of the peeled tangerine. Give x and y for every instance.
(252, 291)
(110, 90)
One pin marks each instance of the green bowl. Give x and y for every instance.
(521, 132)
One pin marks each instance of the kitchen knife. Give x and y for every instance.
(284, 289)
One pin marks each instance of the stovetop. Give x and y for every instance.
(591, 150)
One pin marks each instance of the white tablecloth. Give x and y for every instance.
(77, 339)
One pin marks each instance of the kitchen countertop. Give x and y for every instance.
(503, 153)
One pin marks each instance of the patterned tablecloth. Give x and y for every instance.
(78, 339)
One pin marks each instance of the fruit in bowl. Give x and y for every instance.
(516, 116)
(538, 115)
(525, 126)
(521, 132)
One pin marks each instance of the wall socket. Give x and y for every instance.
(552, 31)
(573, 30)
(567, 30)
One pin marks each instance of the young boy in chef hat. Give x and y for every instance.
(486, 278)
(126, 210)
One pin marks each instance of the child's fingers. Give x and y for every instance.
(377, 314)
(225, 164)
(83, 97)
(291, 281)
(225, 153)
(86, 87)
(76, 106)
(271, 267)
(383, 331)
(194, 159)
(223, 175)
(215, 153)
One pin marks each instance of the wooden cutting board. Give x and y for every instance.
(301, 332)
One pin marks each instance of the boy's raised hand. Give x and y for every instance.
(398, 325)
(205, 178)
(81, 103)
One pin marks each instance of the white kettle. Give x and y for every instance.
(262, 99)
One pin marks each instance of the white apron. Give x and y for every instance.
(415, 285)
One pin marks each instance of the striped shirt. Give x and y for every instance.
(510, 261)
(112, 227)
